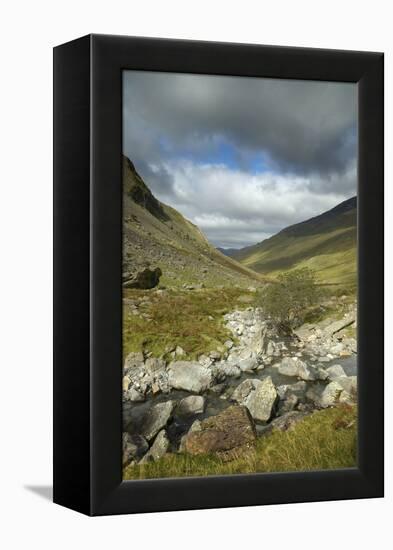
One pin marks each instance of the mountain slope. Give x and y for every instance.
(325, 243)
(157, 235)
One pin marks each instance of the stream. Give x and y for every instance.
(134, 413)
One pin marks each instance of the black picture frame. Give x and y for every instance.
(87, 274)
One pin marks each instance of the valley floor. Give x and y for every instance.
(195, 355)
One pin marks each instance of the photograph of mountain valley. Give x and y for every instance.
(239, 275)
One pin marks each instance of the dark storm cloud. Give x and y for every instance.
(201, 141)
(302, 126)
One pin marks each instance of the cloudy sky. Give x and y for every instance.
(241, 157)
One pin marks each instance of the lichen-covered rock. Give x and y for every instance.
(229, 432)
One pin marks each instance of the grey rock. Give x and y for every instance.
(156, 419)
(259, 396)
(145, 279)
(335, 371)
(154, 366)
(193, 404)
(133, 361)
(347, 383)
(158, 449)
(330, 395)
(134, 446)
(293, 366)
(261, 402)
(248, 364)
(190, 376)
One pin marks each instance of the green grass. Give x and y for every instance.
(324, 440)
(192, 320)
(326, 244)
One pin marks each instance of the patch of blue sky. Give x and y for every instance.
(217, 152)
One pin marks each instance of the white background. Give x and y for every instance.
(29, 30)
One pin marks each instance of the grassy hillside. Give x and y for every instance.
(157, 235)
(326, 243)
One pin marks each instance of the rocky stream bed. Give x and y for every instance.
(221, 402)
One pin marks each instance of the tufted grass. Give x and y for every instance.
(324, 440)
(190, 319)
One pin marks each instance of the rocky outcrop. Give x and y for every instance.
(227, 434)
(326, 340)
(145, 279)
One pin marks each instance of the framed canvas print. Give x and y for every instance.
(218, 275)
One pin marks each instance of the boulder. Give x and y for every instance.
(259, 396)
(330, 395)
(347, 383)
(158, 449)
(134, 446)
(261, 402)
(193, 404)
(335, 371)
(190, 376)
(145, 279)
(327, 396)
(227, 434)
(293, 366)
(156, 419)
(248, 364)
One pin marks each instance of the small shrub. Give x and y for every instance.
(288, 300)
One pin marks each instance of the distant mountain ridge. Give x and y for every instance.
(325, 243)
